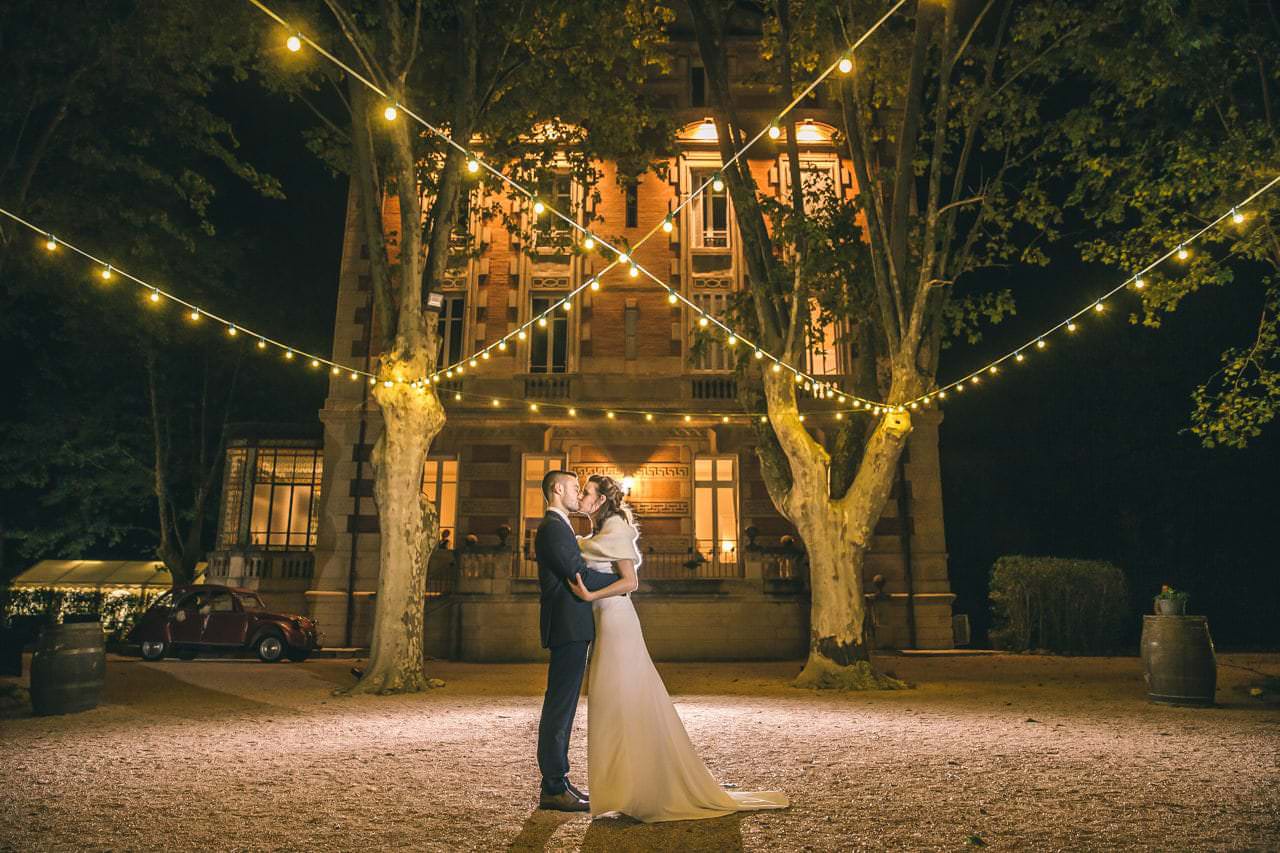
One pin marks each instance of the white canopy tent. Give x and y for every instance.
(100, 575)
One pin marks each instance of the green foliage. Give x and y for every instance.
(118, 610)
(1166, 137)
(1065, 606)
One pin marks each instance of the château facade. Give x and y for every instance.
(614, 385)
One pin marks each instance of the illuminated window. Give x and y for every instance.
(818, 180)
(712, 353)
(286, 498)
(450, 327)
(440, 486)
(710, 214)
(232, 497)
(533, 506)
(715, 521)
(632, 207)
(558, 193)
(549, 344)
(825, 346)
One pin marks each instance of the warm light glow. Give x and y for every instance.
(1019, 357)
(334, 370)
(993, 369)
(839, 416)
(846, 65)
(764, 419)
(802, 418)
(533, 407)
(628, 483)
(502, 346)
(724, 419)
(293, 43)
(485, 355)
(195, 313)
(573, 413)
(666, 225)
(387, 384)
(1040, 344)
(1071, 327)
(457, 396)
(702, 321)
(809, 132)
(538, 208)
(595, 284)
(777, 368)
(759, 354)
(390, 113)
(262, 344)
(289, 354)
(521, 334)
(354, 376)
(648, 416)
(473, 165)
(718, 184)
(155, 296)
(473, 362)
(706, 131)
(1236, 216)
(608, 415)
(232, 331)
(1183, 253)
(733, 339)
(1097, 306)
(542, 321)
(623, 257)
(1139, 283)
(688, 418)
(635, 271)
(774, 131)
(671, 297)
(566, 305)
(51, 244)
(589, 243)
(106, 273)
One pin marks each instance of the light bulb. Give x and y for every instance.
(623, 257)
(485, 355)
(473, 165)
(457, 396)
(1139, 283)
(671, 297)
(802, 419)
(688, 418)
(589, 243)
(1097, 306)
(521, 334)
(289, 354)
(262, 344)
(595, 284)
(1071, 327)
(573, 413)
(724, 419)
(774, 131)
(839, 416)
(315, 362)
(495, 402)
(1182, 253)
(702, 321)
(473, 362)
(502, 346)
(666, 225)
(759, 354)
(1019, 357)
(51, 244)
(566, 306)
(539, 207)
(733, 339)
(293, 43)
(542, 321)
(106, 273)
(1236, 216)
(533, 407)
(195, 314)
(764, 419)
(231, 330)
(390, 113)
(374, 381)
(334, 370)
(354, 376)
(155, 296)
(1040, 344)
(609, 415)
(718, 184)
(846, 65)
(777, 368)
(634, 272)
(993, 369)
(959, 386)
(648, 416)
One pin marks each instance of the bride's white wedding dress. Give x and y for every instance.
(640, 760)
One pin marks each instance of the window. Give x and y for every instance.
(440, 486)
(232, 497)
(560, 195)
(817, 181)
(461, 234)
(710, 214)
(712, 353)
(449, 328)
(533, 506)
(824, 346)
(222, 603)
(630, 325)
(715, 522)
(286, 498)
(697, 86)
(549, 344)
(632, 203)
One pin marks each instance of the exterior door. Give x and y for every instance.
(226, 624)
(186, 624)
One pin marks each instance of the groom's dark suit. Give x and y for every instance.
(568, 627)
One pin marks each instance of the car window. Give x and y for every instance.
(222, 602)
(192, 601)
(249, 601)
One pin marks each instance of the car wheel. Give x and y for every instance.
(270, 648)
(154, 649)
(298, 655)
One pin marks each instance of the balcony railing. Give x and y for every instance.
(690, 564)
(714, 388)
(547, 387)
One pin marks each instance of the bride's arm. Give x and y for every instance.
(626, 582)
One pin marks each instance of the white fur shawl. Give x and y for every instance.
(615, 540)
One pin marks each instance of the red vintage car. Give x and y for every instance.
(206, 617)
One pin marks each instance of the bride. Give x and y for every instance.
(640, 760)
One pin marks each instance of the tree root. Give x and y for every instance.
(822, 674)
(389, 684)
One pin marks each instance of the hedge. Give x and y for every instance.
(1076, 607)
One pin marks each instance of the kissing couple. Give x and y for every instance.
(640, 761)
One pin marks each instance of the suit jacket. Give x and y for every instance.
(565, 618)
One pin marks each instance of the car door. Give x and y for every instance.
(226, 624)
(186, 623)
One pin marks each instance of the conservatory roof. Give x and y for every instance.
(97, 574)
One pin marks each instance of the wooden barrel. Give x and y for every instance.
(68, 668)
(1178, 661)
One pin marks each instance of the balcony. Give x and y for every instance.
(548, 387)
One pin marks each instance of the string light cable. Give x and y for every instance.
(475, 163)
(1181, 251)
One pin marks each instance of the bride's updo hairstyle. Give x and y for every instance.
(615, 501)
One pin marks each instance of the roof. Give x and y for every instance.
(99, 574)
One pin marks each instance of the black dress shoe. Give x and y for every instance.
(579, 794)
(565, 801)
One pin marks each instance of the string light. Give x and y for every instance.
(473, 165)
(390, 113)
(1236, 216)
(231, 331)
(845, 65)
(155, 296)
(774, 131)
(51, 243)
(1182, 252)
(195, 314)
(589, 243)
(538, 208)
(1138, 282)
(667, 225)
(718, 183)
(294, 44)
(106, 273)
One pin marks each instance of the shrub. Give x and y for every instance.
(1077, 607)
(117, 609)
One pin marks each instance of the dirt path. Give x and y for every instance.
(1021, 752)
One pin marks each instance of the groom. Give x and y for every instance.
(568, 627)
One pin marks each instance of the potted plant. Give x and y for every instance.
(1171, 602)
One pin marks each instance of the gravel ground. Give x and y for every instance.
(1009, 752)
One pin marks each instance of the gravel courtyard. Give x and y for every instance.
(1006, 752)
